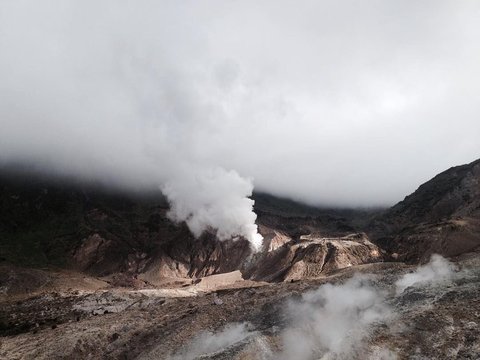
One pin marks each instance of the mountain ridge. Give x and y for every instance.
(441, 216)
(84, 226)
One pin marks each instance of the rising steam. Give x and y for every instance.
(99, 92)
(208, 342)
(214, 198)
(436, 270)
(335, 321)
(332, 321)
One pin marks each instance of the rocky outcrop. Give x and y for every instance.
(92, 250)
(313, 256)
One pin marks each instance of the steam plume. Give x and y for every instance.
(438, 269)
(214, 198)
(207, 343)
(88, 91)
(333, 321)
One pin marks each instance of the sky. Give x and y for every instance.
(343, 103)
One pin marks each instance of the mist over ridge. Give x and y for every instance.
(335, 105)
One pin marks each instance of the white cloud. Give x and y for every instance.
(343, 103)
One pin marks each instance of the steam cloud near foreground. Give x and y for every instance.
(208, 342)
(331, 322)
(436, 270)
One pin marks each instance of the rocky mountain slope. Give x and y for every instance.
(441, 216)
(128, 239)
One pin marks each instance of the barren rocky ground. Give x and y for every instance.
(438, 318)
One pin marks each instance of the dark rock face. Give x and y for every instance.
(441, 216)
